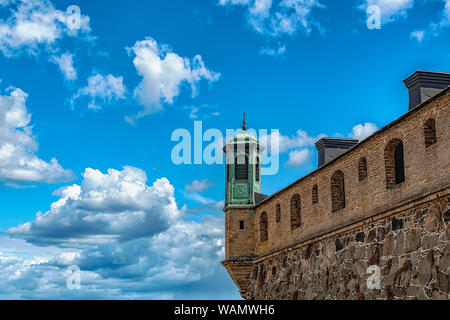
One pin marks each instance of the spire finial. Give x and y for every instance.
(244, 126)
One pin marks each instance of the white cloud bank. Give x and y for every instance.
(18, 147)
(128, 238)
(163, 73)
(118, 205)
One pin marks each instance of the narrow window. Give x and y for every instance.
(362, 169)
(278, 213)
(241, 225)
(241, 168)
(257, 169)
(337, 191)
(315, 194)
(399, 164)
(394, 163)
(295, 211)
(263, 232)
(429, 130)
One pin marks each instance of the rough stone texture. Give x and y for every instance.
(404, 229)
(418, 271)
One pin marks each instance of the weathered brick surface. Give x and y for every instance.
(414, 261)
(427, 170)
(403, 229)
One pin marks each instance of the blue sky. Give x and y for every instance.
(102, 98)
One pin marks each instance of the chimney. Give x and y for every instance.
(331, 148)
(423, 85)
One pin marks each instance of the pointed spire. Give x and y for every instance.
(244, 126)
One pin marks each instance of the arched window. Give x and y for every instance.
(429, 131)
(394, 163)
(362, 169)
(337, 191)
(241, 167)
(257, 169)
(315, 194)
(263, 230)
(296, 211)
(278, 212)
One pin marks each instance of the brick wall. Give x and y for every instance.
(401, 228)
(427, 169)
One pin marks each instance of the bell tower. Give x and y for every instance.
(242, 192)
(243, 170)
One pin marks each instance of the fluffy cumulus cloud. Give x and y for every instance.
(35, 25)
(163, 73)
(362, 131)
(390, 10)
(129, 239)
(18, 147)
(115, 205)
(101, 89)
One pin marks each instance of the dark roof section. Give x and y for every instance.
(423, 85)
(330, 148)
(259, 197)
(388, 126)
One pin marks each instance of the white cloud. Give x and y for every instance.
(163, 73)
(390, 10)
(65, 64)
(18, 147)
(418, 35)
(199, 185)
(273, 51)
(298, 158)
(115, 205)
(434, 29)
(102, 89)
(278, 18)
(128, 238)
(201, 111)
(285, 143)
(35, 25)
(362, 131)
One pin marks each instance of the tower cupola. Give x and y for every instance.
(243, 169)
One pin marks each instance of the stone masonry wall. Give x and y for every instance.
(411, 246)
